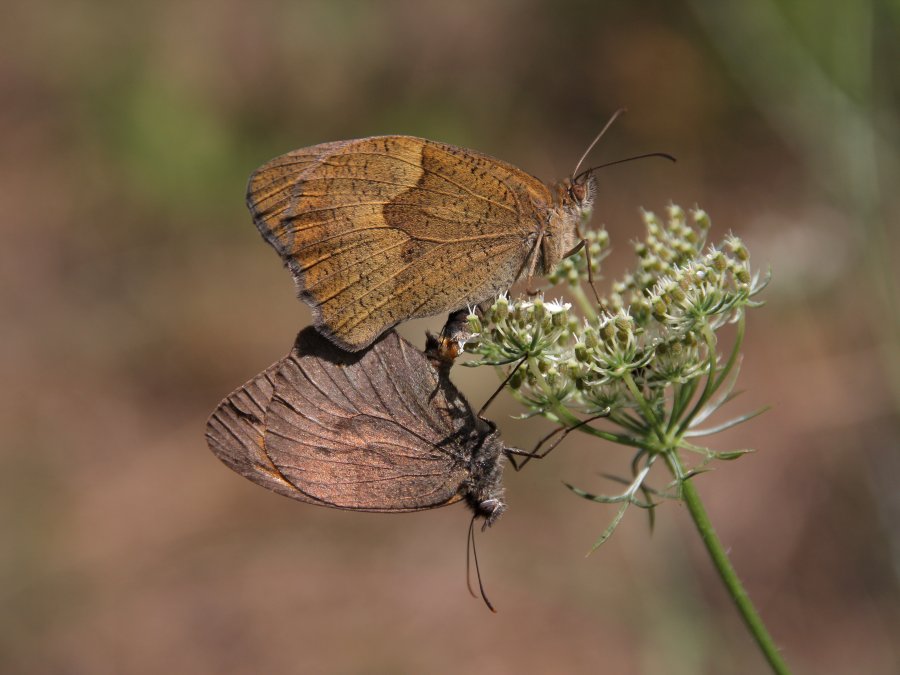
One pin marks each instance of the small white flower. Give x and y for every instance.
(556, 306)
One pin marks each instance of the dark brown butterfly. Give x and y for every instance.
(379, 430)
(384, 229)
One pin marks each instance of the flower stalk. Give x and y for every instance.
(727, 573)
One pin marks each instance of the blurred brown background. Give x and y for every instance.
(136, 293)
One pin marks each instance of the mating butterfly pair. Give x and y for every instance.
(377, 231)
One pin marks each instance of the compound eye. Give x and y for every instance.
(577, 192)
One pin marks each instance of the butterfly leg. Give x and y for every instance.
(538, 453)
(512, 453)
(531, 266)
(502, 384)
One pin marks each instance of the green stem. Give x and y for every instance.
(729, 577)
(645, 407)
(584, 303)
(710, 387)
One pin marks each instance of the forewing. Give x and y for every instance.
(383, 229)
(373, 431)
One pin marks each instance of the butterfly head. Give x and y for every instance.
(580, 193)
(574, 195)
(490, 509)
(573, 200)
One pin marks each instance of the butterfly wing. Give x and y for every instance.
(236, 431)
(379, 230)
(377, 431)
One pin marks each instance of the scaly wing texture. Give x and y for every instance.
(375, 431)
(236, 432)
(380, 230)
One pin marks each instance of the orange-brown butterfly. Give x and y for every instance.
(380, 230)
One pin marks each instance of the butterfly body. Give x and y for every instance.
(380, 230)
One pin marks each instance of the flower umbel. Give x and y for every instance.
(647, 358)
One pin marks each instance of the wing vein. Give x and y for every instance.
(419, 167)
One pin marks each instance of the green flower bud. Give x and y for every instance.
(640, 309)
(624, 323)
(608, 331)
(582, 353)
(474, 323)
(519, 313)
(559, 319)
(676, 213)
(684, 248)
(718, 261)
(538, 310)
(660, 309)
(701, 219)
(737, 247)
(500, 310)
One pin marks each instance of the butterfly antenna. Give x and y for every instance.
(664, 155)
(502, 384)
(477, 568)
(470, 540)
(597, 139)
